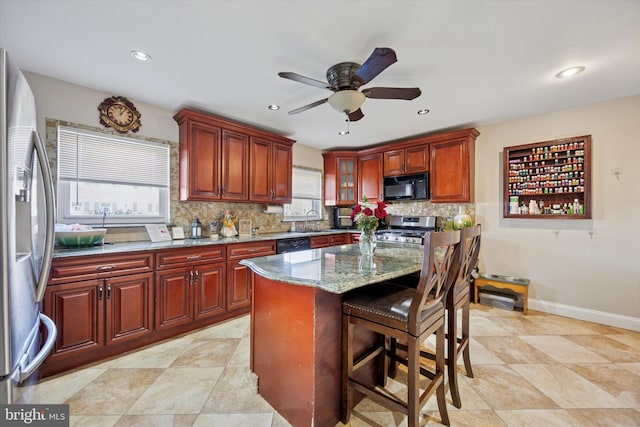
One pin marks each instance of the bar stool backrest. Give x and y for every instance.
(440, 255)
(469, 250)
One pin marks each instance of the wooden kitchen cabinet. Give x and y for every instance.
(270, 171)
(329, 240)
(98, 303)
(190, 285)
(239, 276)
(370, 177)
(340, 178)
(216, 164)
(452, 166)
(406, 160)
(213, 159)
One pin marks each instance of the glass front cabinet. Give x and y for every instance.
(550, 179)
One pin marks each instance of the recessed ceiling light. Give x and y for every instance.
(140, 55)
(343, 132)
(570, 72)
(423, 111)
(273, 107)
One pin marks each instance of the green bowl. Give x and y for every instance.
(80, 238)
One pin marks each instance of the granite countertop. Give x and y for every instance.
(114, 248)
(338, 269)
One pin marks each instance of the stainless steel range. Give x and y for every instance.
(407, 229)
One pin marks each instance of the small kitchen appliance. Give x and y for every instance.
(406, 187)
(342, 218)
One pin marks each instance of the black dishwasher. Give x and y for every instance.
(292, 244)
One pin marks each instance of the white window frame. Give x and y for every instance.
(309, 187)
(64, 186)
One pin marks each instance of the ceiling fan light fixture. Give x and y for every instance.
(346, 101)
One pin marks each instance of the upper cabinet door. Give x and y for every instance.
(235, 158)
(393, 162)
(370, 177)
(270, 172)
(408, 160)
(347, 179)
(417, 159)
(260, 159)
(200, 163)
(451, 171)
(282, 164)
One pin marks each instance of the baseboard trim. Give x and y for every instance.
(610, 319)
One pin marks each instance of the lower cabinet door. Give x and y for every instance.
(129, 307)
(209, 290)
(174, 305)
(77, 310)
(238, 287)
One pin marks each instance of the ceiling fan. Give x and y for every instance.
(345, 78)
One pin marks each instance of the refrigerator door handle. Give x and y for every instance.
(50, 218)
(26, 371)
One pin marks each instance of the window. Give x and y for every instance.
(306, 195)
(107, 179)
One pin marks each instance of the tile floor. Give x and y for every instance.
(533, 370)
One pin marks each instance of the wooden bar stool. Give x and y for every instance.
(458, 298)
(408, 315)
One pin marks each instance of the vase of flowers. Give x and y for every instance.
(367, 216)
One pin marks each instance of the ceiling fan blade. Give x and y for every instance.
(306, 80)
(356, 115)
(380, 59)
(308, 106)
(407, 93)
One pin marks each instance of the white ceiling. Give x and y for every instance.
(476, 62)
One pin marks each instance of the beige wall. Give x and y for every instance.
(583, 269)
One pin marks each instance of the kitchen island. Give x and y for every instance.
(296, 323)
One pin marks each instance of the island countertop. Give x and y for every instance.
(339, 269)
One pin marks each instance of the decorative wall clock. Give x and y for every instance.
(119, 113)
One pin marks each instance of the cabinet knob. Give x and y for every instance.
(105, 267)
(100, 292)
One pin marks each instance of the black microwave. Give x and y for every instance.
(406, 187)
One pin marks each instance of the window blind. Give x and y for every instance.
(87, 156)
(307, 184)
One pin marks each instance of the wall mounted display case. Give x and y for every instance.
(550, 179)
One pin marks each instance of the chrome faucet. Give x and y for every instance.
(306, 220)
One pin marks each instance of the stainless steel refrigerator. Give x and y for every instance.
(27, 220)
